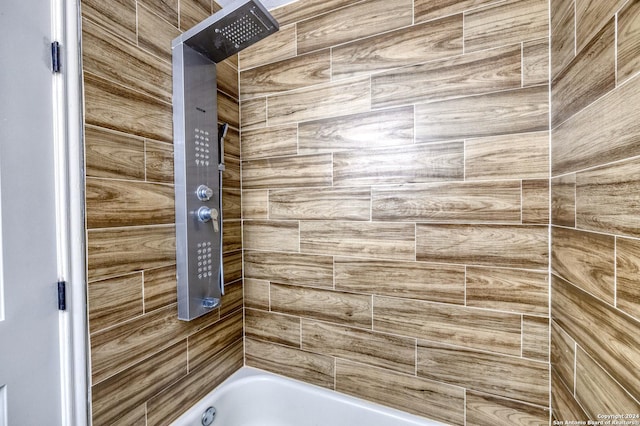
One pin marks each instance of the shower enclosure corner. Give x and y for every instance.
(198, 148)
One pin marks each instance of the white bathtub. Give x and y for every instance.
(252, 397)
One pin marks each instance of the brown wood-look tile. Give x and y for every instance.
(135, 417)
(563, 200)
(115, 107)
(563, 42)
(272, 327)
(277, 47)
(356, 21)
(399, 165)
(253, 114)
(288, 74)
(520, 156)
(585, 259)
(231, 175)
(228, 110)
(177, 398)
(120, 251)
(535, 338)
(155, 34)
(267, 234)
(206, 345)
(118, 16)
(125, 391)
(605, 131)
(167, 9)
(604, 201)
(158, 161)
(301, 365)
(232, 144)
(365, 239)
(510, 290)
(111, 58)
(160, 288)
(587, 77)
(508, 22)
(506, 112)
(233, 273)
(510, 246)
(193, 11)
(113, 203)
(591, 16)
(321, 101)
(628, 41)
(270, 142)
(376, 129)
(289, 268)
(113, 155)
(563, 355)
(449, 202)
(470, 327)
(426, 10)
(413, 280)
(256, 294)
(305, 9)
(483, 409)
(499, 375)
(563, 402)
(464, 75)
(597, 392)
(227, 78)
(327, 203)
(558, 9)
(255, 204)
(327, 305)
(287, 172)
(232, 235)
(115, 349)
(535, 201)
(114, 300)
(232, 299)
(406, 46)
(628, 268)
(376, 349)
(415, 395)
(231, 203)
(535, 62)
(577, 312)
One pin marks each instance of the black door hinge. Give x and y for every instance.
(62, 295)
(55, 57)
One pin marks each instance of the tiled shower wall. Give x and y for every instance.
(395, 199)
(146, 366)
(595, 302)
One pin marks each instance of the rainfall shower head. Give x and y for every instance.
(225, 33)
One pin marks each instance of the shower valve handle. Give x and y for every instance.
(204, 193)
(206, 214)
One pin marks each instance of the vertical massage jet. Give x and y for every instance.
(198, 148)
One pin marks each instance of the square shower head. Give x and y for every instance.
(225, 33)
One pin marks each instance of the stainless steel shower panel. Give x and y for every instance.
(238, 25)
(198, 209)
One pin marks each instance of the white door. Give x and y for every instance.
(30, 384)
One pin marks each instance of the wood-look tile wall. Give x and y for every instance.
(595, 294)
(146, 366)
(395, 182)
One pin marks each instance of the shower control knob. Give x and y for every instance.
(204, 193)
(206, 214)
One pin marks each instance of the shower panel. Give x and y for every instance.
(198, 148)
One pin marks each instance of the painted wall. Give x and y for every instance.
(595, 299)
(146, 366)
(395, 177)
